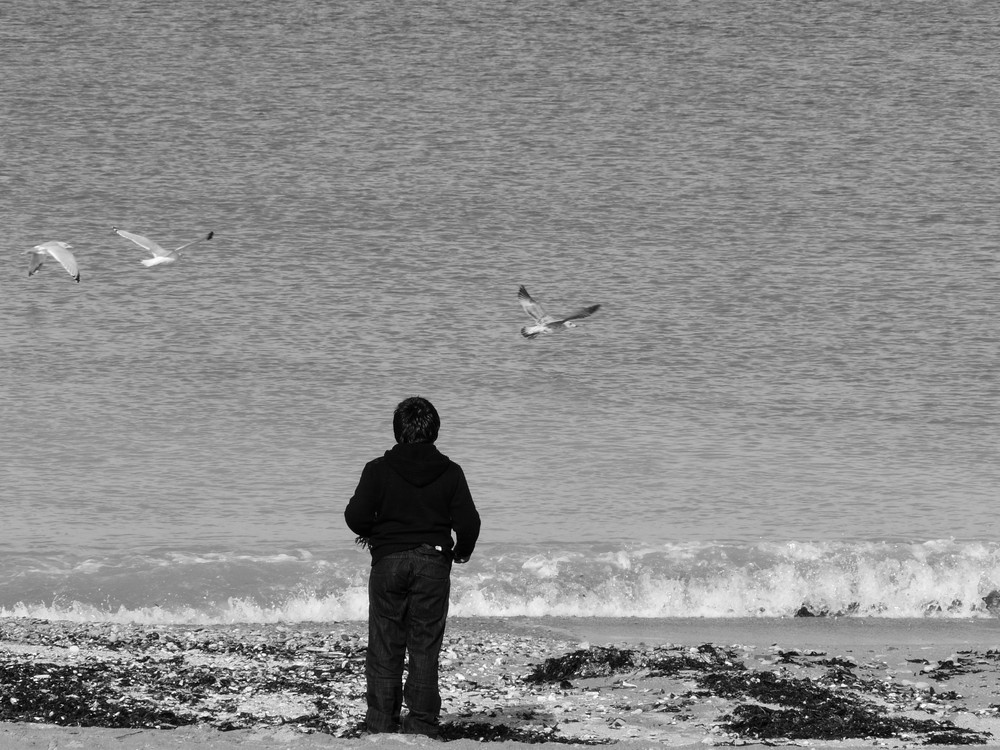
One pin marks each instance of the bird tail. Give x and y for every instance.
(528, 333)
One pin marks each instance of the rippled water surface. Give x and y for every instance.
(786, 210)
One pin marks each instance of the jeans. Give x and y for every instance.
(407, 609)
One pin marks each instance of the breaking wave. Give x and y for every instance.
(940, 578)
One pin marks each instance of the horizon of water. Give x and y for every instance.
(788, 397)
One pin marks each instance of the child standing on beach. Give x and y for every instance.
(405, 507)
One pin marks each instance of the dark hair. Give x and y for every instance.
(415, 421)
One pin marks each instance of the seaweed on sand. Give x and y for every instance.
(830, 708)
(485, 732)
(79, 695)
(810, 710)
(763, 723)
(663, 662)
(604, 661)
(591, 662)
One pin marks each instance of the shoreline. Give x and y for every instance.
(803, 631)
(505, 682)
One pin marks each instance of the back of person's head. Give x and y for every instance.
(415, 421)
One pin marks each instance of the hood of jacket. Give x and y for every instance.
(417, 463)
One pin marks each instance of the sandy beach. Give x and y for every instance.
(816, 682)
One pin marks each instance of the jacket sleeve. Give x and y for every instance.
(464, 519)
(363, 507)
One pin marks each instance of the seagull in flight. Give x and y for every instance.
(159, 254)
(544, 322)
(58, 250)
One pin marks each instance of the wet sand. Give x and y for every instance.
(506, 682)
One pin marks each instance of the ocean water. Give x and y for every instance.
(786, 210)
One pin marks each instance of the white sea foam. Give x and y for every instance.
(934, 579)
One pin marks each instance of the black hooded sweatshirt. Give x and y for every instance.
(413, 495)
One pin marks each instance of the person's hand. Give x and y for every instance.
(461, 560)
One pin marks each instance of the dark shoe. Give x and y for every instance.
(366, 728)
(411, 725)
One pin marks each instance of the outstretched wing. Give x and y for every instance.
(36, 262)
(584, 313)
(143, 242)
(531, 307)
(59, 251)
(193, 242)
